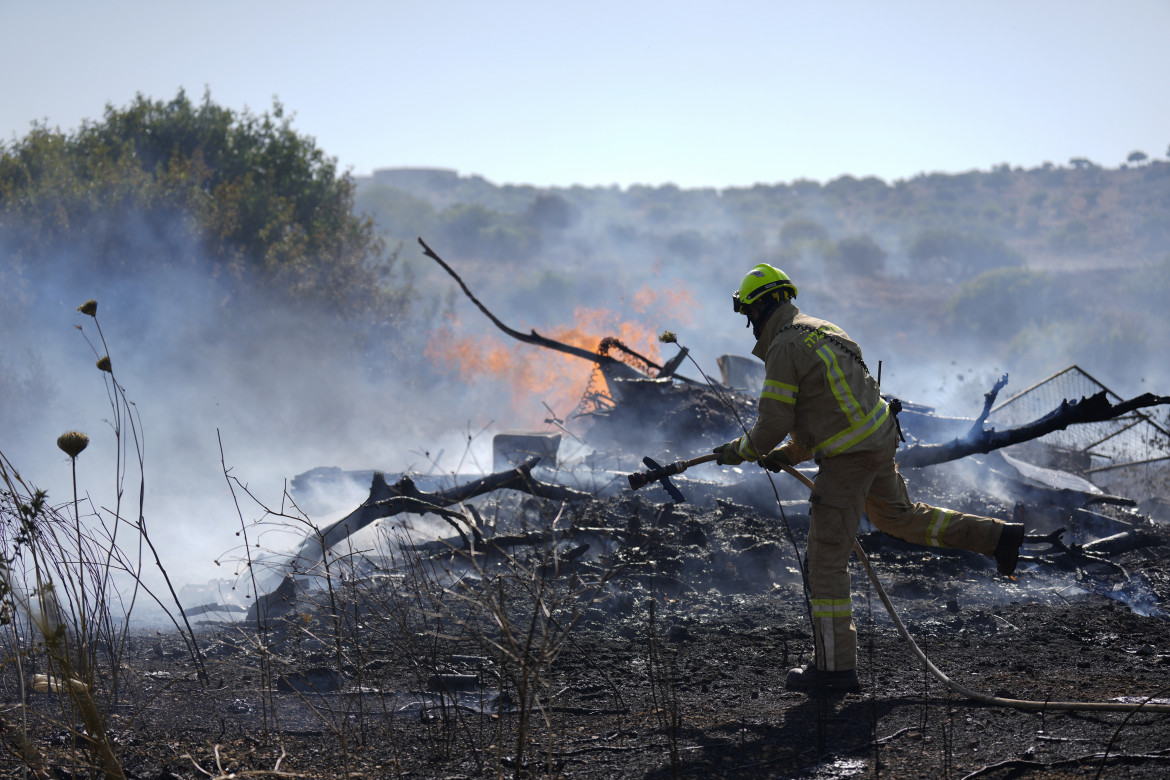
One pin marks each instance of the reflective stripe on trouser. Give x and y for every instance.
(833, 622)
(889, 508)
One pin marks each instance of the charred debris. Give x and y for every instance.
(1088, 471)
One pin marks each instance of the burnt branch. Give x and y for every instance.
(988, 402)
(1095, 408)
(600, 357)
(386, 500)
(528, 338)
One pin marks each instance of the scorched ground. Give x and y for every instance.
(654, 644)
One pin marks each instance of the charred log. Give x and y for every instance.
(1070, 556)
(1095, 408)
(1121, 542)
(277, 603)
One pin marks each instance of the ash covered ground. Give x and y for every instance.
(654, 644)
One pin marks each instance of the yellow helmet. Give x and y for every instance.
(760, 281)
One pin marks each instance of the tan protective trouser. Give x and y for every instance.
(845, 486)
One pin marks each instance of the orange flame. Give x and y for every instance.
(532, 375)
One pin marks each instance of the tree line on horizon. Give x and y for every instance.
(974, 219)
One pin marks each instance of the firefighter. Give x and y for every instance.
(819, 394)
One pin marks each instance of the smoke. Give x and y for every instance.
(262, 389)
(225, 377)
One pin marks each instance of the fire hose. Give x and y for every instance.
(662, 474)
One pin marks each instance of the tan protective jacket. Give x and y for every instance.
(817, 390)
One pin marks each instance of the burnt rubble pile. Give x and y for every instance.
(644, 546)
(741, 528)
(457, 556)
(665, 417)
(412, 614)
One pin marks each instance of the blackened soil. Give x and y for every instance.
(660, 652)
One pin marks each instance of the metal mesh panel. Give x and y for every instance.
(1129, 455)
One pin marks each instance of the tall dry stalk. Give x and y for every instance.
(76, 582)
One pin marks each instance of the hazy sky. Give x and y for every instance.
(718, 94)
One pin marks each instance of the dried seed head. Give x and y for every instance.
(72, 443)
(104, 365)
(668, 337)
(89, 307)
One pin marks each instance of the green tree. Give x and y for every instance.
(1136, 158)
(1073, 237)
(243, 192)
(549, 212)
(474, 230)
(464, 223)
(399, 215)
(688, 244)
(971, 252)
(802, 230)
(858, 255)
(999, 303)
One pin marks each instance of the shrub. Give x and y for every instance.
(973, 253)
(858, 255)
(801, 230)
(155, 181)
(997, 304)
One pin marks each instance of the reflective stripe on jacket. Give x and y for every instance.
(816, 389)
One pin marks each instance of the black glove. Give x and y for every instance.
(728, 454)
(775, 460)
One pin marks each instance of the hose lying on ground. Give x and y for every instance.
(984, 698)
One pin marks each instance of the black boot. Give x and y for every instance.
(1007, 549)
(810, 679)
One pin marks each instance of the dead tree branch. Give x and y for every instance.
(386, 500)
(988, 402)
(1095, 408)
(535, 338)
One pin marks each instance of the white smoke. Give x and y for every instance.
(285, 391)
(281, 391)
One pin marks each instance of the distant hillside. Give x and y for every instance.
(1052, 216)
(1033, 269)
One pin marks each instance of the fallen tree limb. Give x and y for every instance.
(403, 496)
(1092, 758)
(1095, 408)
